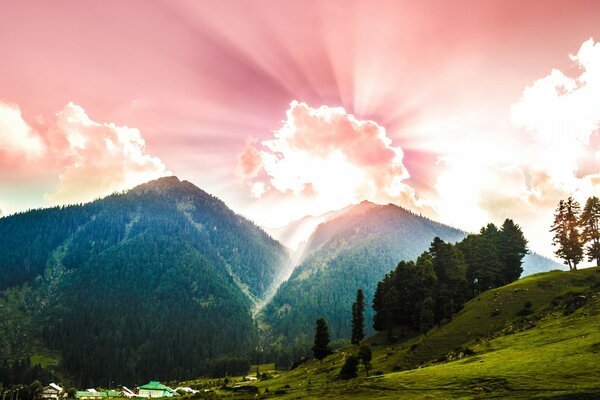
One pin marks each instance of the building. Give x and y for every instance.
(52, 392)
(126, 392)
(156, 389)
(93, 394)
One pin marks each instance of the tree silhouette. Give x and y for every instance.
(321, 344)
(512, 247)
(366, 355)
(358, 318)
(590, 223)
(566, 233)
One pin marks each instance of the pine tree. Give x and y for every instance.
(321, 344)
(590, 223)
(358, 318)
(512, 247)
(566, 233)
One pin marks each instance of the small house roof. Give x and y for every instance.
(55, 386)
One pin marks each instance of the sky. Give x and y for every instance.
(468, 112)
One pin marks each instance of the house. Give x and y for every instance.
(156, 389)
(52, 392)
(128, 393)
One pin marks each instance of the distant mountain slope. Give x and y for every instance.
(157, 282)
(354, 248)
(351, 251)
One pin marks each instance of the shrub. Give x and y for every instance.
(350, 368)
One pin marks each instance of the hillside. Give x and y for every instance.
(159, 281)
(535, 338)
(351, 251)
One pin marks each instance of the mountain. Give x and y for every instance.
(353, 248)
(156, 282)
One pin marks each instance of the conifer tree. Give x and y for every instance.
(321, 343)
(566, 233)
(358, 318)
(590, 224)
(512, 247)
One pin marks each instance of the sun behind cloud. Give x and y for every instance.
(329, 158)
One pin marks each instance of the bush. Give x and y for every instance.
(524, 312)
(350, 368)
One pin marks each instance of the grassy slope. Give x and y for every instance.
(544, 355)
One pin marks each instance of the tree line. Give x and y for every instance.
(577, 232)
(418, 294)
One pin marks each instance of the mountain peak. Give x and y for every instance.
(164, 182)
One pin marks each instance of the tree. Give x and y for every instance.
(427, 317)
(566, 233)
(590, 224)
(321, 344)
(512, 247)
(366, 355)
(379, 319)
(358, 318)
(34, 389)
(450, 268)
(350, 368)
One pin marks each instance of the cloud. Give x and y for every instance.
(550, 155)
(562, 113)
(16, 136)
(249, 160)
(327, 156)
(86, 159)
(101, 158)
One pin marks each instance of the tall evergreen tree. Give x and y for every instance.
(321, 343)
(450, 268)
(379, 320)
(566, 233)
(512, 247)
(358, 318)
(590, 223)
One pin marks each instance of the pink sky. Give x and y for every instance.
(96, 96)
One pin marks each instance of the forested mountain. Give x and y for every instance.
(157, 282)
(351, 250)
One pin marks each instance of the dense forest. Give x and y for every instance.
(418, 294)
(158, 282)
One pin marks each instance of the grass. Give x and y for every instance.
(550, 351)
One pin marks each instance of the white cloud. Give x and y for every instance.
(16, 136)
(524, 173)
(329, 159)
(100, 158)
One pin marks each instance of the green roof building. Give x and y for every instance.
(156, 389)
